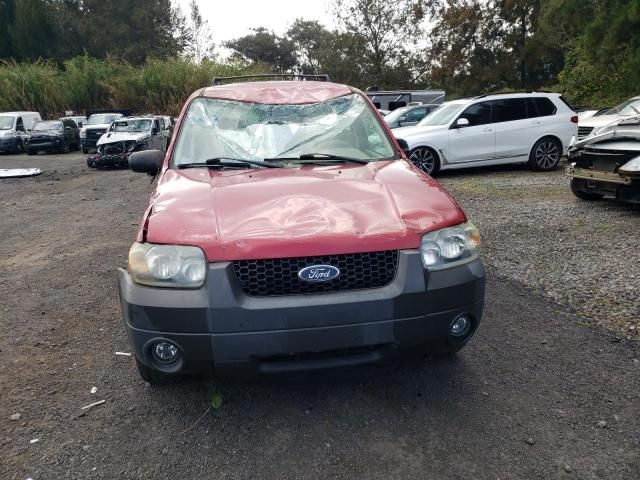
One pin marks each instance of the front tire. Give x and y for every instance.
(66, 148)
(426, 159)
(85, 150)
(576, 189)
(30, 151)
(545, 154)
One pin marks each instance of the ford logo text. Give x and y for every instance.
(318, 273)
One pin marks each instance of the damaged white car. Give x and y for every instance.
(607, 163)
(125, 136)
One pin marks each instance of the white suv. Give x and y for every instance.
(533, 128)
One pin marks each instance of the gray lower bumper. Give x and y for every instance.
(219, 328)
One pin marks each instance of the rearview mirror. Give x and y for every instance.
(462, 122)
(147, 161)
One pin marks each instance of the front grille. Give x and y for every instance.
(95, 133)
(584, 131)
(279, 276)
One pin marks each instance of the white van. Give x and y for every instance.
(14, 126)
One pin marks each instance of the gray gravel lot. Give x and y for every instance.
(541, 392)
(583, 255)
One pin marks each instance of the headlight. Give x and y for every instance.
(450, 246)
(632, 166)
(175, 266)
(83, 133)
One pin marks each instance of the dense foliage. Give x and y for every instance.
(148, 55)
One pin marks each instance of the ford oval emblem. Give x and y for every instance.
(319, 273)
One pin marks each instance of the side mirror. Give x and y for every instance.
(462, 122)
(403, 145)
(147, 161)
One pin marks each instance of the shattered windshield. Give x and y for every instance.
(343, 126)
(6, 123)
(629, 107)
(52, 125)
(102, 118)
(142, 125)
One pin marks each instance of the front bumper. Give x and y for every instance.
(45, 145)
(102, 160)
(221, 329)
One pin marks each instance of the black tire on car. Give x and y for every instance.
(545, 154)
(577, 188)
(30, 151)
(154, 377)
(19, 148)
(426, 159)
(85, 150)
(66, 148)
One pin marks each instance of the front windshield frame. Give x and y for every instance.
(393, 152)
(625, 108)
(46, 125)
(8, 124)
(106, 118)
(443, 115)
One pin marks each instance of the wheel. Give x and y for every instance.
(577, 189)
(85, 150)
(154, 377)
(425, 159)
(30, 151)
(545, 154)
(19, 148)
(66, 148)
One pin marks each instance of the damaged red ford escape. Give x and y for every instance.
(288, 231)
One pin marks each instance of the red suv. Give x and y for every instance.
(288, 231)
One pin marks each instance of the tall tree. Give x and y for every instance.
(264, 46)
(309, 39)
(389, 30)
(201, 44)
(32, 32)
(7, 18)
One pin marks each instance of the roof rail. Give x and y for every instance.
(511, 93)
(280, 76)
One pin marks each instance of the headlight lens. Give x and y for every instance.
(450, 246)
(83, 133)
(175, 266)
(632, 166)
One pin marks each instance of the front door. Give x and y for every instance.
(476, 141)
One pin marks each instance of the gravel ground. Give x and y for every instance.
(583, 255)
(540, 392)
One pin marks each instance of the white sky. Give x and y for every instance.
(234, 18)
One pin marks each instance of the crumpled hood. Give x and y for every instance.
(602, 120)
(113, 137)
(306, 211)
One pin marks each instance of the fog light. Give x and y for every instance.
(165, 352)
(460, 326)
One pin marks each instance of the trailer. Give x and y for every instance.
(392, 99)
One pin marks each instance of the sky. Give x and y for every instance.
(234, 18)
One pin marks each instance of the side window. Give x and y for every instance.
(540, 107)
(416, 114)
(509, 110)
(19, 125)
(478, 114)
(156, 126)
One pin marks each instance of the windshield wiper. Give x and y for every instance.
(320, 157)
(230, 162)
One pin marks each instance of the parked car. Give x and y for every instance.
(287, 231)
(532, 128)
(14, 128)
(409, 116)
(591, 112)
(125, 136)
(97, 124)
(53, 135)
(79, 120)
(592, 125)
(608, 164)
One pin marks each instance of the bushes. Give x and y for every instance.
(83, 83)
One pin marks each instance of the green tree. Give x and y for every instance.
(388, 30)
(264, 46)
(309, 39)
(7, 18)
